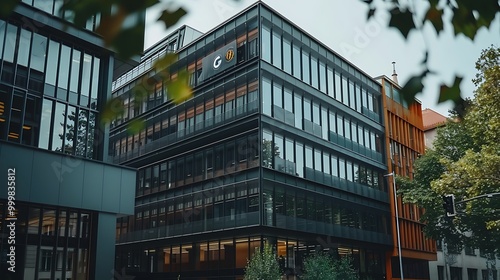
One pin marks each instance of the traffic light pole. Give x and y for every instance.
(488, 195)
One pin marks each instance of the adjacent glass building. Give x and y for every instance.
(54, 79)
(283, 141)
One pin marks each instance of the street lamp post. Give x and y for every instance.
(397, 222)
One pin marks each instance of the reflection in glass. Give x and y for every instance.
(298, 111)
(70, 131)
(31, 117)
(266, 97)
(44, 5)
(75, 76)
(267, 149)
(51, 72)
(314, 72)
(287, 56)
(2, 35)
(331, 92)
(266, 44)
(95, 83)
(338, 86)
(81, 133)
(38, 50)
(276, 50)
(305, 67)
(87, 66)
(10, 43)
(24, 48)
(296, 61)
(45, 124)
(62, 82)
(90, 135)
(58, 132)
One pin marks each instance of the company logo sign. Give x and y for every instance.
(219, 61)
(229, 54)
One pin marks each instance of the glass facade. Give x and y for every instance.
(48, 91)
(58, 241)
(53, 7)
(284, 146)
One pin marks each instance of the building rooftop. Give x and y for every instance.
(432, 119)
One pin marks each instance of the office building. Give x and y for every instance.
(54, 80)
(282, 141)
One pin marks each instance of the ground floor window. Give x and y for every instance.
(50, 242)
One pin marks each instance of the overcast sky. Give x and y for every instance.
(370, 45)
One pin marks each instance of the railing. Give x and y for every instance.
(189, 131)
(225, 222)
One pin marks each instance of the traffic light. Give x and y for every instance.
(449, 205)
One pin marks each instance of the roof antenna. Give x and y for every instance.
(394, 74)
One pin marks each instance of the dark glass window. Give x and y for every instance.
(90, 135)
(10, 43)
(69, 138)
(276, 50)
(314, 72)
(331, 91)
(299, 153)
(95, 83)
(2, 35)
(266, 44)
(287, 56)
(298, 111)
(45, 124)
(75, 76)
(59, 124)
(338, 87)
(81, 133)
(51, 70)
(296, 61)
(86, 79)
(24, 48)
(306, 71)
(266, 97)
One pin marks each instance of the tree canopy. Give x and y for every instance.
(465, 162)
(321, 266)
(263, 265)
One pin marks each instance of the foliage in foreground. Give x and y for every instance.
(321, 266)
(263, 265)
(465, 162)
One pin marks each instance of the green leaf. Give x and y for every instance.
(413, 86)
(450, 93)
(110, 25)
(435, 16)
(402, 20)
(171, 17)
(371, 13)
(464, 22)
(179, 90)
(135, 126)
(7, 6)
